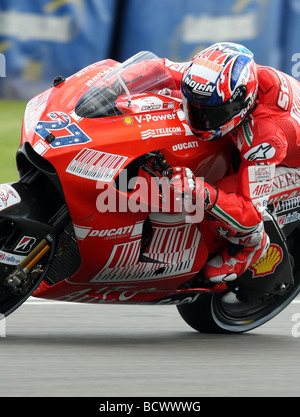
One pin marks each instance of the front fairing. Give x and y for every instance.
(87, 152)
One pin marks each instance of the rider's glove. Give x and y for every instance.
(185, 185)
(182, 181)
(188, 192)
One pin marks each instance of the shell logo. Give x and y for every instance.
(128, 120)
(268, 263)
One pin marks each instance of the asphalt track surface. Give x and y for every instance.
(69, 350)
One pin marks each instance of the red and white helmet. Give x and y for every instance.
(219, 89)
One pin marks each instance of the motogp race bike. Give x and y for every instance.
(86, 143)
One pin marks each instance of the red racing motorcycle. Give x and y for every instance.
(88, 220)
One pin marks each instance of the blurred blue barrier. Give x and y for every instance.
(45, 38)
(291, 38)
(178, 29)
(42, 39)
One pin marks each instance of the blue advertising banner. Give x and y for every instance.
(179, 29)
(45, 38)
(42, 39)
(291, 38)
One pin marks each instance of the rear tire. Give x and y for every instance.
(225, 313)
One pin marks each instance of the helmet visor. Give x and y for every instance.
(203, 118)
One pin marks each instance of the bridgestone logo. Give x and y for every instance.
(96, 165)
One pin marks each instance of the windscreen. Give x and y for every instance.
(141, 73)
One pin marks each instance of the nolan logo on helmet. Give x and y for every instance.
(200, 88)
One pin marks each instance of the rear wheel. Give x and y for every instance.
(225, 313)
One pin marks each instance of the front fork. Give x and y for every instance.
(20, 278)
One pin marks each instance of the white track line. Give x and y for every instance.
(41, 301)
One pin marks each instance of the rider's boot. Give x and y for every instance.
(243, 251)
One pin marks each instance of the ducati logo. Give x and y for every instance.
(25, 244)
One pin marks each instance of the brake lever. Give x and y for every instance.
(158, 166)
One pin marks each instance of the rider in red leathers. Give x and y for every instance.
(225, 93)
